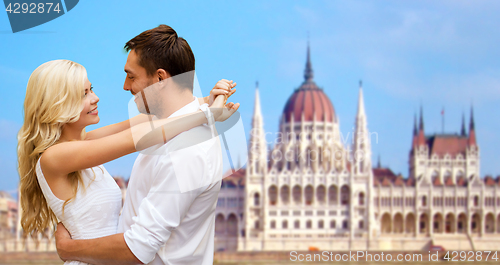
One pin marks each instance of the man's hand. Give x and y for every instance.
(223, 87)
(62, 238)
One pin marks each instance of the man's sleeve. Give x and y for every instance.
(161, 212)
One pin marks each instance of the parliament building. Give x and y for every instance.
(311, 192)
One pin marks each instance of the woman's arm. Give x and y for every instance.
(78, 155)
(117, 127)
(221, 87)
(67, 157)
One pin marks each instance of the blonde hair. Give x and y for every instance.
(53, 98)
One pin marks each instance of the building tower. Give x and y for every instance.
(255, 175)
(362, 217)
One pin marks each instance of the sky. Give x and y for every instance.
(435, 54)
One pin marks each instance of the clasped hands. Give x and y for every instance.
(218, 105)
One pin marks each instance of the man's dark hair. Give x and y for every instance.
(161, 48)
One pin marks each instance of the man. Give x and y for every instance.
(168, 215)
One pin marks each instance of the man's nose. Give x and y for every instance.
(126, 86)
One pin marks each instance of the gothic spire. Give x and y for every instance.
(471, 125)
(258, 149)
(308, 72)
(361, 102)
(421, 125)
(472, 129)
(415, 131)
(362, 147)
(420, 139)
(463, 132)
(257, 114)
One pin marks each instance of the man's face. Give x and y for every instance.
(136, 80)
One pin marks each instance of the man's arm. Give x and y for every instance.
(160, 213)
(105, 250)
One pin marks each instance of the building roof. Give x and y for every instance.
(448, 181)
(399, 181)
(462, 182)
(437, 182)
(308, 100)
(235, 179)
(489, 181)
(442, 144)
(383, 176)
(121, 182)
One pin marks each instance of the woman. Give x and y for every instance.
(60, 166)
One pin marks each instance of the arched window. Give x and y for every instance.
(257, 224)
(297, 194)
(434, 175)
(284, 224)
(320, 154)
(321, 194)
(308, 224)
(273, 224)
(308, 157)
(220, 224)
(321, 224)
(476, 201)
(361, 198)
(332, 195)
(424, 200)
(256, 199)
(285, 194)
(309, 194)
(332, 224)
(273, 195)
(296, 224)
(344, 195)
(345, 224)
(361, 224)
(232, 225)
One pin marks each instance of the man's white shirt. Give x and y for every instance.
(169, 211)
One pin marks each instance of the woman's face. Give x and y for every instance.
(89, 114)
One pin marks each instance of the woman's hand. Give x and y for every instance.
(223, 87)
(222, 112)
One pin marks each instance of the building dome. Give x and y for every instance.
(309, 100)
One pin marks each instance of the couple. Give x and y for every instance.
(60, 165)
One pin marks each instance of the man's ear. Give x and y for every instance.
(162, 74)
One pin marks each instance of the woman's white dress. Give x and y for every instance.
(95, 210)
